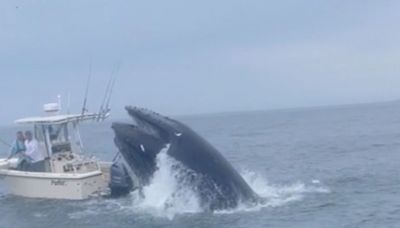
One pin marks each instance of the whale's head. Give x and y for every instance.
(140, 142)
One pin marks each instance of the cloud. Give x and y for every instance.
(194, 57)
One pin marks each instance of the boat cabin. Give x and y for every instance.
(56, 134)
(59, 141)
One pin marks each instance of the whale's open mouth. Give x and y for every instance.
(213, 178)
(140, 142)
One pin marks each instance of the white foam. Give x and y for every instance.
(98, 206)
(39, 215)
(273, 195)
(316, 182)
(165, 196)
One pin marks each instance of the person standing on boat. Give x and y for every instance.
(32, 149)
(18, 147)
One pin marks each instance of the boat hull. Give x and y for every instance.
(53, 185)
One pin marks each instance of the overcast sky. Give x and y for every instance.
(183, 57)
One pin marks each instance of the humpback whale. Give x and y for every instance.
(212, 177)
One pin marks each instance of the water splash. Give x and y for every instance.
(275, 195)
(169, 194)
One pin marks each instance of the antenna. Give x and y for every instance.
(84, 108)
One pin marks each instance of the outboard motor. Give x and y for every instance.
(120, 182)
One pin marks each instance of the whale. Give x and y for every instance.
(216, 182)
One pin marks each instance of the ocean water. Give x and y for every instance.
(317, 167)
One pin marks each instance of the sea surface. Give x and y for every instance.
(317, 167)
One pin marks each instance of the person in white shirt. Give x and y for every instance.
(32, 149)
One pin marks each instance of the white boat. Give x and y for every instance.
(66, 173)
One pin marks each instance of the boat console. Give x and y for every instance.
(68, 162)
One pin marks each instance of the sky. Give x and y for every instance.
(187, 57)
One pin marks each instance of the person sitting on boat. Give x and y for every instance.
(32, 149)
(18, 147)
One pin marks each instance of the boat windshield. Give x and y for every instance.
(60, 137)
(57, 132)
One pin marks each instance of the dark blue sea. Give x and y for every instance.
(328, 167)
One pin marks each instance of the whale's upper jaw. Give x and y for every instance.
(155, 123)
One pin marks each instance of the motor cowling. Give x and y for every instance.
(120, 182)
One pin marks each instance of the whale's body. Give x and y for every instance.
(217, 183)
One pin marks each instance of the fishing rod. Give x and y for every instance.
(5, 143)
(106, 94)
(9, 145)
(112, 89)
(105, 105)
(84, 109)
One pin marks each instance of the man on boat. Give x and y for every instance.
(18, 147)
(33, 160)
(32, 149)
